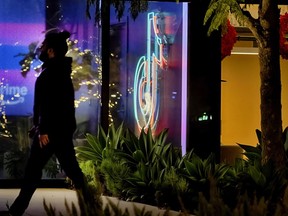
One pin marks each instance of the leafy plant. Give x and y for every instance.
(135, 8)
(150, 170)
(198, 173)
(15, 162)
(246, 205)
(151, 160)
(131, 167)
(252, 178)
(149, 149)
(115, 172)
(52, 168)
(100, 146)
(89, 170)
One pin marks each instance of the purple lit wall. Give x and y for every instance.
(24, 24)
(20, 24)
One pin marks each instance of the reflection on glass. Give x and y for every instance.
(150, 66)
(155, 89)
(23, 27)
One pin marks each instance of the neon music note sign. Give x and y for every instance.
(146, 79)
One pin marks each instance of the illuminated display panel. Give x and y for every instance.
(20, 26)
(151, 56)
(22, 29)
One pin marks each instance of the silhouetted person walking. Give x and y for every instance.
(54, 120)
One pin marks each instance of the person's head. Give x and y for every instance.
(54, 45)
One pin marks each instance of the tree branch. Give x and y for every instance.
(253, 24)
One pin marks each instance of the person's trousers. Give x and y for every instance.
(62, 146)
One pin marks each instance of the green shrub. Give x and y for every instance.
(115, 173)
(246, 205)
(148, 169)
(89, 170)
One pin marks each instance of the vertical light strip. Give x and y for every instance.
(149, 25)
(184, 78)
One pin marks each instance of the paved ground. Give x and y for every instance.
(56, 197)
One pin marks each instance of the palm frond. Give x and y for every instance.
(218, 12)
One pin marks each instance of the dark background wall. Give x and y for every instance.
(204, 84)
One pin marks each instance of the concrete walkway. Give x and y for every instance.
(57, 196)
(54, 196)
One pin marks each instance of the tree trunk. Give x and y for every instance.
(105, 52)
(269, 57)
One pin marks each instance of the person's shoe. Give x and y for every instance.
(5, 213)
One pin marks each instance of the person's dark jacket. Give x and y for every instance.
(54, 109)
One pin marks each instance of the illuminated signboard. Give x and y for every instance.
(20, 26)
(148, 67)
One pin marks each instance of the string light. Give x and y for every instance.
(83, 78)
(86, 73)
(3, 120)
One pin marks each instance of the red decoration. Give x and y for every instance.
(228, 40)
(282, 39)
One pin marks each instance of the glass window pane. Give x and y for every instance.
(148, 69)
(23, 27)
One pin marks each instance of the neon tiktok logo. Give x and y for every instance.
(146, 80)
